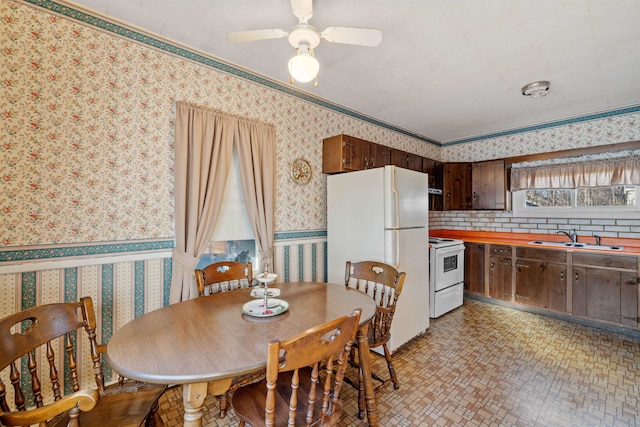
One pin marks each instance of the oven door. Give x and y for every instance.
(448, 266)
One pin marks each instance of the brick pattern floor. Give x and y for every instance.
(488, 365)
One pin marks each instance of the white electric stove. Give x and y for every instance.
(446, 275)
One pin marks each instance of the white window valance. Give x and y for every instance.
(596, 170)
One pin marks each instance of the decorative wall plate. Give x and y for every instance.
(301, 171)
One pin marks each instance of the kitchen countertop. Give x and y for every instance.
(631, 246)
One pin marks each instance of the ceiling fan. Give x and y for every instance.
(303, 66)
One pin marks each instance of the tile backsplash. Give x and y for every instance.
(505, 222)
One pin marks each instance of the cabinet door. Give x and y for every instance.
(341, 153)
(383, 156)
(629, 299)
(352, 157)
(557, 290)
(541, 284)
(368, 154)
(414, 162)
(603, 294)
(500, 270)
(435, 170)
(474, 268)
(606, 295)
(488, 182)
(579, 291)
(457, 186)
(399, 158)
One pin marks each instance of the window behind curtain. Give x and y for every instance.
(616, 195)
(232, 238)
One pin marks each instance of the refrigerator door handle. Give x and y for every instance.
(394, 249)
(394, 206)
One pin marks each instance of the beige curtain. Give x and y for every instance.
(204, 141)
(585, 173)
(256, 154)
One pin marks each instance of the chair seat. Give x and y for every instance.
(249, 401)
(375, 339)
(119, 407)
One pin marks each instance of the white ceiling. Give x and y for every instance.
(446, 69)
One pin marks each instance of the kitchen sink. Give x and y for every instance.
(578, 245)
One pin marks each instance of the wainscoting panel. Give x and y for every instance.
(122, 287)
(125, 281)
(301, 257)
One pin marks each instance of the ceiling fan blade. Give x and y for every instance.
(302, 9)
(361, 36)
(252, 35)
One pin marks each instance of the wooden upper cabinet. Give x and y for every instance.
(399, 158)
(368, 154)
(457, 186)
(406, 160)
(488, 185)
(342, 153)
(414, 162)
(383, 156)
(435, 170)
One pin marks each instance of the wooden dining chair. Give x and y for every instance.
(384, 284)
(225, 276)
(41, 345)
(304, 378)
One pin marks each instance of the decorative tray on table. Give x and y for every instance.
(257, 307)
(259, 292)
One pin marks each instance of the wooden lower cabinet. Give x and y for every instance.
(608, 295)
(541, 278)
(500, 272)
(474, 268)
(541, 284)
(601, 287)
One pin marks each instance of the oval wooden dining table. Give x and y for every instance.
(205, 342)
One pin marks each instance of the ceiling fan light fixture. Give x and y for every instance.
(303, 67)
(536, 89)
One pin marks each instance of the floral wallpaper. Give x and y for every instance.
(599, 131)
(87, 133)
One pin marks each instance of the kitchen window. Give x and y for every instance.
(593, 186)
(619, 201)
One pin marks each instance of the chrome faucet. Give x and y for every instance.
(571, 235)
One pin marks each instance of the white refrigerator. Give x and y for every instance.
(382, 215)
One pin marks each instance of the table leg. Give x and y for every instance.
(193, 396)
(365, 369)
